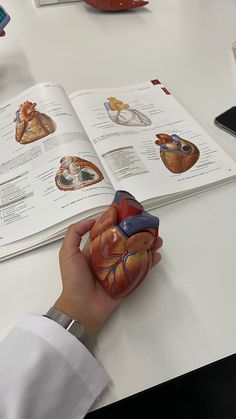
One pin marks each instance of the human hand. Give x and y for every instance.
(82, 297)
(3, 33)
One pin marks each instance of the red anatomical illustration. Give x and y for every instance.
(122, 241)
(115, 5)
(31, 125)
(76, 173)
(177, 154)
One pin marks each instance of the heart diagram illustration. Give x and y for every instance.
(121, 113)
(177, 154)
(76, 173)
(32, 125)
(122, 241)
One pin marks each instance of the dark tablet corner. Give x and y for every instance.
(206, 393)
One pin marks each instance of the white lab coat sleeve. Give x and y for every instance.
(46, 373)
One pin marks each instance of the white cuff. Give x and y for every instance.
(70, 348)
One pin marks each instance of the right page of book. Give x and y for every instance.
(148, 143)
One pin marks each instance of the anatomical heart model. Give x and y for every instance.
(177, 154)
(76, 173)
(115, 5)
(122, 114)
(122, 241)
(32, 125)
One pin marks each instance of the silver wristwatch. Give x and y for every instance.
(72, 326)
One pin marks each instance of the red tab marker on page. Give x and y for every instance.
(155, 82)
(115, 5)
(165, 90)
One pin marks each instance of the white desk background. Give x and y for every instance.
(184, 315)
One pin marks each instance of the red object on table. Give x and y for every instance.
(115, 5)
(123, 240)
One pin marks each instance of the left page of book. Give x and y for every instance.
(49, 171)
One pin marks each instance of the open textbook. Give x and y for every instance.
(62, 158)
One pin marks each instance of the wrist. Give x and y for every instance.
(78, 312)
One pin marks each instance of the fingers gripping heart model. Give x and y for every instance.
(123, 240)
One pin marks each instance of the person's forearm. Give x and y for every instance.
(46, 372)
(78, 312)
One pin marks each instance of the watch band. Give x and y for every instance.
(72, 326)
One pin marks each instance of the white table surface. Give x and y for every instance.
(184, 315)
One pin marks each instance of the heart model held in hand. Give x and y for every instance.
(122, 241)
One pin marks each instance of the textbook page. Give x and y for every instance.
(148, 144)
(49, 171)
